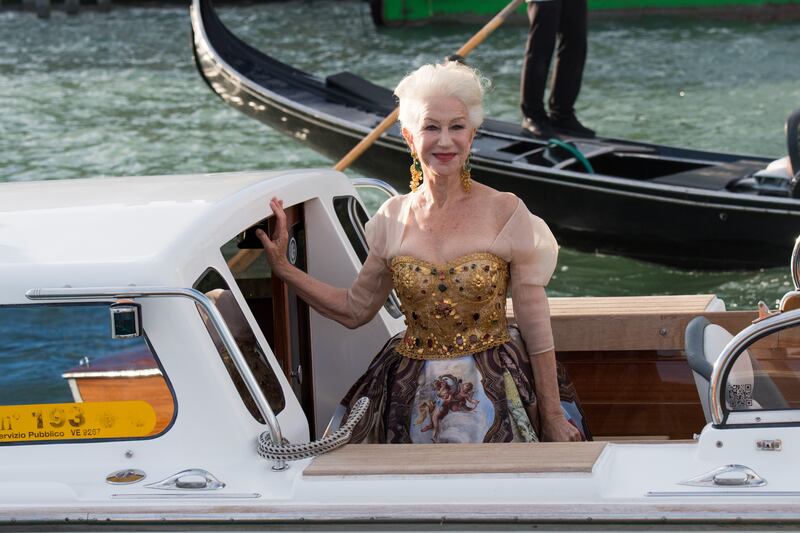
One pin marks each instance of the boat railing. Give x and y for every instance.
(117, 293)
(728, 357)
(375, 184)
(788, 316)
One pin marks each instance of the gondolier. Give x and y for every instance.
(563, 22)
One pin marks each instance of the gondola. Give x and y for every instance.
(676, 206)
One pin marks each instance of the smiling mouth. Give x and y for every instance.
(444, 157)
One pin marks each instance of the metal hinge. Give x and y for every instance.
(773, 445)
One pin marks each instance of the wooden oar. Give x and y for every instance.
(244, 258)
(470, 45)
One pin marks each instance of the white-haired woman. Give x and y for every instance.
(450, 248)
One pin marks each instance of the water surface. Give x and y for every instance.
(117, 94)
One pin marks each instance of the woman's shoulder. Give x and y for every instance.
(503, 204)
(393, 204)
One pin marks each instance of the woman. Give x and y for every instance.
(458, 373)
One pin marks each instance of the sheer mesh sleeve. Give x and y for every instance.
(534, 252)
(374, 282)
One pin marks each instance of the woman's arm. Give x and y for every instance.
(554, 426)
(532, 313)
(331, 302)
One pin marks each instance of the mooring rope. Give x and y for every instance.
(294, 452)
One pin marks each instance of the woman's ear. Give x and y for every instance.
(409, 139)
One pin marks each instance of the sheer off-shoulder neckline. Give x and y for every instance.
(488, 250)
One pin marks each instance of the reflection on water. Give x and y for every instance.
(117, 94)
(39, 343)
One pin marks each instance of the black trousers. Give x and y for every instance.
(552, 22)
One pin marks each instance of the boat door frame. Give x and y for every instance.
(292, 329)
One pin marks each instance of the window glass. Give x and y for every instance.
(352, 218)
(62, 377)
(214, 286)
(766, 376)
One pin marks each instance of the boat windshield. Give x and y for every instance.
(765, 376)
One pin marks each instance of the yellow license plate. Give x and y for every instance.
(76, 421)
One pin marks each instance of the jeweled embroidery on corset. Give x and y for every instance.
(452, 309)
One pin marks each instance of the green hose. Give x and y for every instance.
(573, 151)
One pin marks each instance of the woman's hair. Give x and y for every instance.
(449, 79)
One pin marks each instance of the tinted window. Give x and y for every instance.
(352, 218)
(215, 287)
(62, 377)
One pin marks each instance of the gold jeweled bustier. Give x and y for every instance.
(452, 309)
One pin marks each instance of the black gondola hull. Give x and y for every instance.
(681, 226)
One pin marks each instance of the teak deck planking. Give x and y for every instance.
(420, 459)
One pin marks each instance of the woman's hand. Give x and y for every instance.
(558, 429)
(275, 248)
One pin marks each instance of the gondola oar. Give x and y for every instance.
(470, 45)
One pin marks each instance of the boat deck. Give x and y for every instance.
(503, 458)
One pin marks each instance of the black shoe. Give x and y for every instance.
(540, 127)
(570, 125)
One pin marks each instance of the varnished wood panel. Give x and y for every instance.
(625, 356)
(383, 459)
(634, 393)
(151, 389)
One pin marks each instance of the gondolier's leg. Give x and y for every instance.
(568, 69)
(544, 19)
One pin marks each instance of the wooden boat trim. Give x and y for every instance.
(582, 324)
(146, 372)
(429, 459)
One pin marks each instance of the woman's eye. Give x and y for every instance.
(458, 126)
(431, 127)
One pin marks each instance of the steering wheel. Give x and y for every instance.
(793, 146)
(571, 149)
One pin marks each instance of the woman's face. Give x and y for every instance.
(443, 136)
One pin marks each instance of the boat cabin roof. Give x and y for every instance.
(152, 230)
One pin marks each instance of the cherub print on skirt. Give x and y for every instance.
(450, 404)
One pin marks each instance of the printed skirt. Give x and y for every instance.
(487, 396)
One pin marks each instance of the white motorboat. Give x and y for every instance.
(154, 376)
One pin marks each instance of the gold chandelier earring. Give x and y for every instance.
(416, 172)
(466, 175)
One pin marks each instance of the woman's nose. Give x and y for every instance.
(445, 139)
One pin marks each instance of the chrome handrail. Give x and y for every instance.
(213, 314)
(736, 346)
(794, 264)
(375, 184)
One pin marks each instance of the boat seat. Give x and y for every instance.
(704, 343)
(363, 91)
(712, 177)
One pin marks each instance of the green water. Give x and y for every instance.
(117, 94)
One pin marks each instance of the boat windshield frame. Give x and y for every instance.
(722, 416)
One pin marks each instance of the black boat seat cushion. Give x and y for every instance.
(377, 98)
(713, 177)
